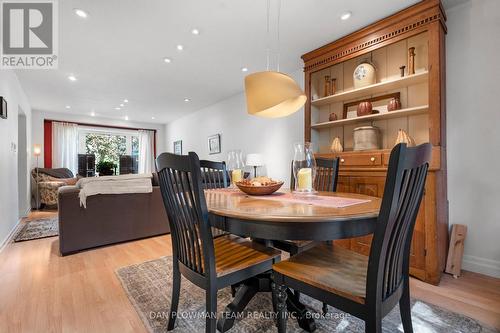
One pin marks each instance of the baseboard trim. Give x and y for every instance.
(481, 265)
(11, 235)
(26, 213)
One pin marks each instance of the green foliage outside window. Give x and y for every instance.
(135, 146)
(107, 148)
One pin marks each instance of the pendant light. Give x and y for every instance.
(272, 94)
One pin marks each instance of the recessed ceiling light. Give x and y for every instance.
(244, 69)
(68, 107)
(167, 60)
(186, 100)
(72, 78)
(180, 47)
(345, 16)
(92, 114)
(122, 105)
(126, 117)
(81, 13)
(153, 118)
(125, 101)
(117, 108)
(195, 31)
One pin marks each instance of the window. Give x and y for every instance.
(111, 145)
(106, 147)
(135, 146)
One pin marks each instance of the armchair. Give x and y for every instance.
(46, 183)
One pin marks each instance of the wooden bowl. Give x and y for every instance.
(259, 190)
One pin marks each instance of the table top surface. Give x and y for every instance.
(254, 208)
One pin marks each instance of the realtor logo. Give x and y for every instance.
(29, 34)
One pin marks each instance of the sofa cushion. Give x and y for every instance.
(56, 172)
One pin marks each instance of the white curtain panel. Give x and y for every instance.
(65, 146)
(146, 151)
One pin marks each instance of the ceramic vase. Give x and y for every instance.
(364, 109)
(336, 146)
(394, 104)
(403, 137)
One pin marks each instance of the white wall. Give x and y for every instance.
(11, 90)
(39, 116)
(273, 138)
(473, 128)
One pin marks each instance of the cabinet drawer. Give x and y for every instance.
(361, 159)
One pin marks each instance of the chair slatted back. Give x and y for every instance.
(327, 173)
(184, 200)
(390, 251)
(213, 174)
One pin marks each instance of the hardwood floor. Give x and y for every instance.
(40, 291)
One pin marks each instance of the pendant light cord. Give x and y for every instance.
(268, 46)
(279, 43)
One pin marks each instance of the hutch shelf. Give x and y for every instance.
(386, 45)
(386, 115)
(404, 81)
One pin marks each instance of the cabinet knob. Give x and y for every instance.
(372, 159)
(342, 160)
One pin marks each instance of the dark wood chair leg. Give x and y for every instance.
(280, 296)
(296, 294)
(405, 308)
(211, 308)
(373, 324)
(234, 288)
(174, 303)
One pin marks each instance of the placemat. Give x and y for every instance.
(316, 200)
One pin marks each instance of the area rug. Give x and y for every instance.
(148, 286)
(39, 228)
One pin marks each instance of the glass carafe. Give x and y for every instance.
(304, 168)
(235, 166)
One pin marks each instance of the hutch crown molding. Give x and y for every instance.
(422, 115)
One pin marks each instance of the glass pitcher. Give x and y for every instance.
(304, 168)
(235, 166)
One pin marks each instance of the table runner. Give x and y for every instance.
(316, 200)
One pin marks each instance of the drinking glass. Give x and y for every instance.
(304, 168)
(235, 166)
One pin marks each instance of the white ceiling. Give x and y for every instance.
(118, 51)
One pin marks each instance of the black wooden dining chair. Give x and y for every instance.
(366, 287)
(209, 263)
(214, 175)
(327, 173)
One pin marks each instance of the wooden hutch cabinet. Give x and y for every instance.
(422, 115)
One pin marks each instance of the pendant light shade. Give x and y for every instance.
(272, 94)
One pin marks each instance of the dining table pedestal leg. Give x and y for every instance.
(305, 321)
(247, 290)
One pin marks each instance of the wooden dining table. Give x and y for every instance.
(268, 219)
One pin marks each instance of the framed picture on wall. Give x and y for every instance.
(178, 147)
(214, 144)
(3, 108)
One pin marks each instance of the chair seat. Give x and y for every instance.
(331, 268)
(233, 254)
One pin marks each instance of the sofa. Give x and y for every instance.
(46, 183)
(108, 218)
